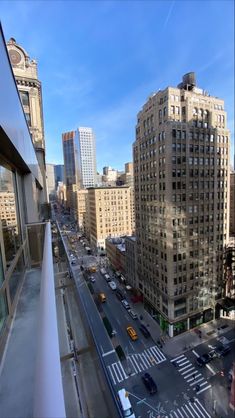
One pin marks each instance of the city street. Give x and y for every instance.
(177, 379)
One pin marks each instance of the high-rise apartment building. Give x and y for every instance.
(59, 173)
(110, 213)
(30, 90)
(181, 177)
(87, 157)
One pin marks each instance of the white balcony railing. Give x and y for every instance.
(48, 393)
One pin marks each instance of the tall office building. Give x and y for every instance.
(30, 90)
(181, 177)
(72, 173)
(87, 157)
(59, 174)
(51, 186)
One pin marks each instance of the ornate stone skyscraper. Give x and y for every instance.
(30, 90)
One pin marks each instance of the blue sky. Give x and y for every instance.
(100, 60)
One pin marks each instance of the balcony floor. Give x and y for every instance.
(18, 369)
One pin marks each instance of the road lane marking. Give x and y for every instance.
(186, 406)
(117, 372)
(114, 381)
(203, 389)
(147, 360)
(136, 362)
(108, 352)
(146, 366)
(202, 407)
(181, 364)
(196, 381)
(193, 378)
(133, 365)
(210, 368)
(123, 371)
(190, 374)
(196, 354)
(185, 367)
(176, 358)
(158, 353)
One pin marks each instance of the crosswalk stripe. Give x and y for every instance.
(136, 362)
(143, 360)
(174, 412)
(123, 371)
(202, 407)
(133, 365)
(189, 370)
(114, 381)
(182, 364)
(158, 352)
(193, 378)
(115, 372)
(181, 413)
(185, 367)
(147, 360)
(189, 409)
(199, 409)
(196, 381)
(186, 413)
(176, 358)
(203, 389)
(204, 383)
(154, 355)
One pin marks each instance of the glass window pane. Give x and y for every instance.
(9, 214)
(3, 309)
(16, 278)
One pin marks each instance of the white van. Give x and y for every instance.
(126, 407)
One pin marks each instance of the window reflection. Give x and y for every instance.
(9, 214)
(3, 309)
(16, 278)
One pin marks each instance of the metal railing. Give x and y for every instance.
(48, 391)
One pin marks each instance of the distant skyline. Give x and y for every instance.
(99, 61)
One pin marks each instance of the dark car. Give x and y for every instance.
(119, 294)
(222, 350)
(144, 331)
(204, 359)
(149, 383)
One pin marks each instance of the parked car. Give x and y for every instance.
(92, 279)
(222, 350)
(113, 285)
(132, 314)
(144, 331)
(107, 278)
(149, 383)
(125, 304)
(212, 354)
(203, 360)
(119, 292)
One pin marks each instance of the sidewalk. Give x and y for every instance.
(188, 340)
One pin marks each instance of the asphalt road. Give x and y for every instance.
(177, 396)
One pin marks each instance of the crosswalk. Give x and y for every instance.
(191, 374)
(190, 410)
(137, 363)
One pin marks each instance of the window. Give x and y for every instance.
(27, 115)
(24, 95)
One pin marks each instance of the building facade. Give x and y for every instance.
(131, 261)
(181, 177)
(116, 253)
(30, 90)
(72, 169)
(232, 204)
(51, 186)
(22, 198)
(87, 157)
(59, 173)
(82, 196)
(110, 214)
